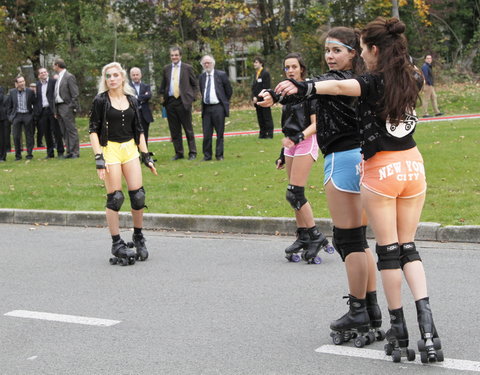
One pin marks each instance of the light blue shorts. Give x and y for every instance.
(343, 168)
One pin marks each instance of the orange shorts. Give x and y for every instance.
(395, 174)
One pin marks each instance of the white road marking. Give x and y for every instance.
(62, 318)
(453, 364)
(32, 358)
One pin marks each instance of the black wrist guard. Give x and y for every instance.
(281, 158)
(305, 88)
(100, 161)
(276, 98)
(147, 159)
(297, 138)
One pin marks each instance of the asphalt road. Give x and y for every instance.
(206, 304)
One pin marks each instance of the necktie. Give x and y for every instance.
(207, 92)
(176, 78)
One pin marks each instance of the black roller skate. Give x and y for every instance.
(317, 241)
(293, 252)
(353, 325)
(122, 253)
(429, 345)
(375, 315)
(138, 241)
(397, 337)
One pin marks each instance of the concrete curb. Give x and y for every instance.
(219, 224)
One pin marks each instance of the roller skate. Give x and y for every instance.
(138, 241)
(429, 345)
(317, 241)
(397, 337)
(375, 315)
(293, 252)
(353, 325)
(122, 253)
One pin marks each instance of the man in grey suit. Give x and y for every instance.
(216, 92)
(20, 104)
(66, 107)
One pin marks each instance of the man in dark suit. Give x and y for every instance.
(66, 107)
(20, 104)
(261, 81)
(44, 104)
(216, 92)
(179, 88)
(4, 134)
(144, 94)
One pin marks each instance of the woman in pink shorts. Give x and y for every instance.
(393, 186)
(298, 154)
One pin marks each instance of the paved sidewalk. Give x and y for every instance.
(219, 224)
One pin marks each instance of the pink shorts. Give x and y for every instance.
(308, 146)
(395, 174)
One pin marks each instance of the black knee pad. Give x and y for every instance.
(388, 257)
(365, 242)
(137, 198)
(115, 200)
(347, 241)
(296, 196)
(408, 253)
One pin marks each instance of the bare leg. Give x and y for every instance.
(133, 175)
(298, 170)
(409, 211)
(382, 216)
(113, 182)
(346, 211)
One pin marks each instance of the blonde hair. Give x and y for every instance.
(102, 83)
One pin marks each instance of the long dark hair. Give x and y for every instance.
(301, 62)
(350, 37)
(401, 85)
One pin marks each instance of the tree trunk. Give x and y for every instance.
(395, 11)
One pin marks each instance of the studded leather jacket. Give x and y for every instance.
(337, 122)
(98, 118)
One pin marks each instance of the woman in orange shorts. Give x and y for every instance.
(116, 135)
(393, 184)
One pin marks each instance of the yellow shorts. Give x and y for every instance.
(120, 153)
(395, 174)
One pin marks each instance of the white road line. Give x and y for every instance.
(453, 364)
(62, 318)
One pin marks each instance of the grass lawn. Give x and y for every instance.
(246, 183)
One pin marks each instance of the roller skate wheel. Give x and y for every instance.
(329, 249)
(130, 245)
(131, 260)
(421, 345)
(113, 261)
(396, 355)
(411, 355)
(440, 356)
(388, 348)
(124, 262)
(316, 260)
(423, 357)
(360, 341)
(295, 258)
(337, 339)
(370, 338)
(437, 344)
(381, 335)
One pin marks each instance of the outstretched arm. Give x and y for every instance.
(347, 87)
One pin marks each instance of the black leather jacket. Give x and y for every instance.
(98, 118)
(337, 120)
(296, 114)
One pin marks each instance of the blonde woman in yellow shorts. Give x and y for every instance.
(117, 136)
